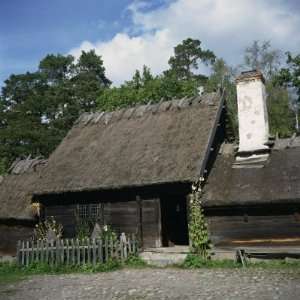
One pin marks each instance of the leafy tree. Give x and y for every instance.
(261, 56)
(177, 82)
(37, 109)
(289, 77)
(280, 114)
(187, 57)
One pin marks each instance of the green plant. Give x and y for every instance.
(135, 262)
(198, 232)
(43, 228)
(83, 229)
(195, 261)
(108, 233)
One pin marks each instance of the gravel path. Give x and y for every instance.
(160, 284)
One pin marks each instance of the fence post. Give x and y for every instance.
(106, 249)
(78, 251)
(88, 250)
(67, 252)
(47, 251)
(100, 250)
(62, 251)
(94, 251)
(27, 253)
(18, 252)
(42, 251)
(73, 252)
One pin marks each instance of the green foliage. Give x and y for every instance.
(222, 77)
(198, 232)
(108, 233)
(187, 56)
(42, 229)
(37, 109)
(135, 261)
(10, 272)
(193, 261)
(83, 229)
(261, 56)
(280, 115)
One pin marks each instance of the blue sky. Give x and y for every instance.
(131, 33)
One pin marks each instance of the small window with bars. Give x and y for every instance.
(90, 211)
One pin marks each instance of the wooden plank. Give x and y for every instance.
(23, 253)
(73, 252)
(94, 247)
(106, 249)
(62, 251)
(78, 251)
(140, 219)
(88, 251)
(18, 252)
(67, 251)
(27, 253)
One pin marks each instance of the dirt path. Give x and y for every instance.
(160, 284)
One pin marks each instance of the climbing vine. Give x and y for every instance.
(198, 231)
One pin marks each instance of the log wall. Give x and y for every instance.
(10, 234)
(130, 217)
(257, 227)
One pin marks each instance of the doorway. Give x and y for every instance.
(174, 221)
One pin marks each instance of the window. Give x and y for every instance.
(90, 211)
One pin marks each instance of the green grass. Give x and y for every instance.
(11, 272)
(195, 262)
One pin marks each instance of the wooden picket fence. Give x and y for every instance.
(75, 251)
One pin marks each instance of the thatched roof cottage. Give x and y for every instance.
(17, 214)
(133, 169)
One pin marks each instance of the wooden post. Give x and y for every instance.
(100, 250)
(106, 249)
(78, 251)
(83, 250)
(62, 252)
(52, 252)
(27, 253)
(140, 219)
(18, 252)
(23, 253)
(111, 246)
(88, 251)
(94, 251)
(47, 251)
(73, 252)
(188, 219)
(42, 252)
(67, 252)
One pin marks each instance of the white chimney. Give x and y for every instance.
(252, 112)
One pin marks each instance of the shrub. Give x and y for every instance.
(198, 232)
(50, 225)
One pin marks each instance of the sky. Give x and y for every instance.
(131, 33)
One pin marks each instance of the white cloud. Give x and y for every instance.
(224, 26)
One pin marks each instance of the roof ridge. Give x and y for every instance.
(140, 110)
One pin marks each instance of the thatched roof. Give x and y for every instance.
(278, 181)
(144, 145)
(16, 189)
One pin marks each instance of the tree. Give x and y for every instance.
(37, 109)
(222, 76)
(187, 57)
(289, 78)
(261, 56)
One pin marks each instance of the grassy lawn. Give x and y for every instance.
(11, 272)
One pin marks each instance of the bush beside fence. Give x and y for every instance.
(75, 251)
